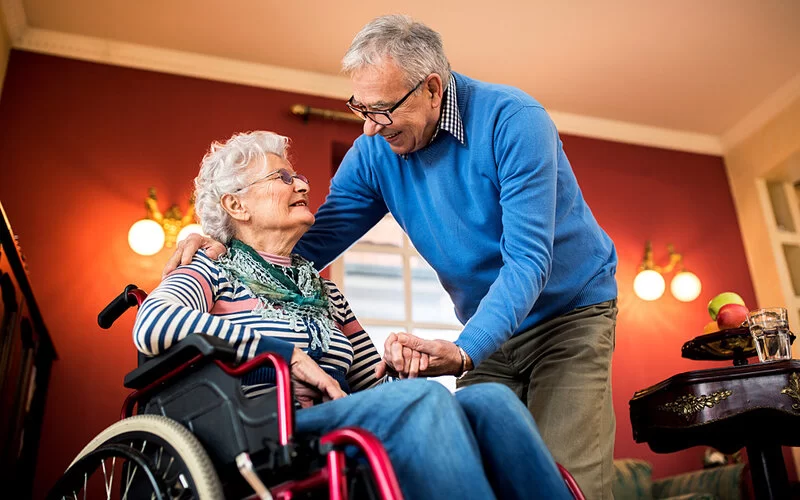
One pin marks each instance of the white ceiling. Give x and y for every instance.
(699, 67)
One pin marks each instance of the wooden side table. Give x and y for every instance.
(754, 406)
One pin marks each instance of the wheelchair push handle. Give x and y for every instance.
(131, 296)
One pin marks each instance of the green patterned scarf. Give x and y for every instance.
(296, 293)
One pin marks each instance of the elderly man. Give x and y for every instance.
(475, 173)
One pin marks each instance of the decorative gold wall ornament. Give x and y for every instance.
(688, 404)
(149, 235)
(793, 391)
(649, 283)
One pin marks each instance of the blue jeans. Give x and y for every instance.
(480, 443)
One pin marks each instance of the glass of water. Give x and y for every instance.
(770, 330)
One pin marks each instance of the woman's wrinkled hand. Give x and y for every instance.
(311, 383)
(185, 250)
(306, 395)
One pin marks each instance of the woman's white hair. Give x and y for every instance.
(224, 170)
(414, 47)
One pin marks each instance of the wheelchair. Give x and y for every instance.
(195, 435)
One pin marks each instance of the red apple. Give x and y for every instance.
(731, 316)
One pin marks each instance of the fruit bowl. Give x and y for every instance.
(733, 343)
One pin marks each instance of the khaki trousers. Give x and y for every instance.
(561, 370)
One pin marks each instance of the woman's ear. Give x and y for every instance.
(233, 205)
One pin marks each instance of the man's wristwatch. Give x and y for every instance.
(464, 370)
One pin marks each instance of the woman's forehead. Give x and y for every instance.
(273, 159)
(269, 162)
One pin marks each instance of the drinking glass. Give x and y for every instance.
(770, 330)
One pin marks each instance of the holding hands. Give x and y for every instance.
(408, 356)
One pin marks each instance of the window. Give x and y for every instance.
(392, 289)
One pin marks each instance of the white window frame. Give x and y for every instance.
(407, 252)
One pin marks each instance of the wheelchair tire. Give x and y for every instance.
(173, 462)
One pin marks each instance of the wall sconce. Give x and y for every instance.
(148, 236)
(649, 283)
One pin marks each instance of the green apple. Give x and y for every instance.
(723, 299)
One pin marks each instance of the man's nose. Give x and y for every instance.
(371, 128)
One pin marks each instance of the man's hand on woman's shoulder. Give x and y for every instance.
(185, 250)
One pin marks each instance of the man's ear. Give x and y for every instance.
(435, 89)
(233, 205)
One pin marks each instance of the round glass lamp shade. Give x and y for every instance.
(649, 285)
(189, 229)
(146, 237)
(685, 286)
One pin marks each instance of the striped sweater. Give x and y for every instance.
(200, 298)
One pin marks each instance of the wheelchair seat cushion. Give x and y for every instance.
(197, 343)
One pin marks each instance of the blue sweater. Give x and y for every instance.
(500, 219)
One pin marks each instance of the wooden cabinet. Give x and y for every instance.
(26, 355)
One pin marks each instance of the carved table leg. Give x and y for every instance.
(768, 470)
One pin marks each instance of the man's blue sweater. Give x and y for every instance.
(500, 219)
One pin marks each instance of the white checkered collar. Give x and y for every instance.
(450, 119)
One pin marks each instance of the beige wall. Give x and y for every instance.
(5, 47)
(771, 153)
(768, 154)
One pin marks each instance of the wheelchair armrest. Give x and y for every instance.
(197, 343)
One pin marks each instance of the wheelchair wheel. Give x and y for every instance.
(145, 456)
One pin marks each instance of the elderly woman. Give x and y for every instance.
(479, 443)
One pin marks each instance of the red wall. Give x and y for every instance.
(82, 142)
(639, 193)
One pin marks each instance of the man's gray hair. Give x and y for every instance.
(414, 47)
(224, 170)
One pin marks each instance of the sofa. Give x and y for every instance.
(633, 481)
